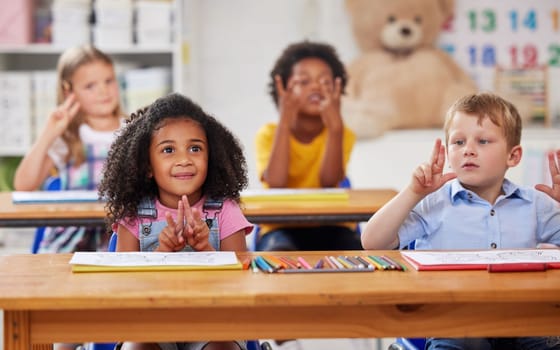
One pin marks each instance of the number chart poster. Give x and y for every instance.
(521, 35)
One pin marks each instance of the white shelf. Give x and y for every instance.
(48, 49)
(36, 57)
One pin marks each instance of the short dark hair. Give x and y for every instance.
(299, 51)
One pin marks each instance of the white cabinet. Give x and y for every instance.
(130, 63)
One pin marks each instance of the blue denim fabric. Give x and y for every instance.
(525, 343)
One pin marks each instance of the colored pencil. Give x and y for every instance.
(356, 262)
(347, 264)
(304, 263)
(397, 265)
(366, 263)
(322, 270)
(329, 263)
(263, 265)
(335, 262)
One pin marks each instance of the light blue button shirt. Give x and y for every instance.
(456, 218)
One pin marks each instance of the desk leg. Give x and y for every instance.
(16, 330)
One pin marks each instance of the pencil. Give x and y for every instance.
(356, 262)
(366, 263)
(335, 262)
(291, 262)
(329, 262)
(384, 265)
(345, 262)
(319, 264)
(263, 265)
(304, 263)
(275, 266)
(322, 270)
(277, 261)
(373, 262)
(398, 265)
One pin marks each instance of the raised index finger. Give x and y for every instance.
(188, 213)
(553, 158)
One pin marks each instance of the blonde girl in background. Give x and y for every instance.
(75, 140)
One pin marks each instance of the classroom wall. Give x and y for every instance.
(235, 44)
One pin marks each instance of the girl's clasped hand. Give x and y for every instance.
(189, 228)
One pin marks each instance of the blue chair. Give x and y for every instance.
(408, 344)
(51, 184)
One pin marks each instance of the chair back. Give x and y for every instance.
(52, 183)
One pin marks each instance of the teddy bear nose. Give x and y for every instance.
(405, 31)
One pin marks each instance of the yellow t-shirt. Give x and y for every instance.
(305, 159)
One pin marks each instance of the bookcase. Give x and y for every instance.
(27, 66)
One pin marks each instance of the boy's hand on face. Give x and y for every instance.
(554, 167)
(289, 99)
(330, 105)
(429, 177)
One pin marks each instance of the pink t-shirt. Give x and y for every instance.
(230, 218)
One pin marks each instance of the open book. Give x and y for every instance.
(153, 261)
(516, 259)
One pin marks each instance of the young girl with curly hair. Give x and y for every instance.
(181, 161)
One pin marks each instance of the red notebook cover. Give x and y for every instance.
(492, 260)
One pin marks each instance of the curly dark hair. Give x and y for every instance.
(299, 51)
(125, 175)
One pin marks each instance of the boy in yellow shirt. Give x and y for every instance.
(310, 146)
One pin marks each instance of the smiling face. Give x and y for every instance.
(96, 88)
(179, 160)
(312, 74)
(478, 153)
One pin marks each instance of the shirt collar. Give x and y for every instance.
(457, 191)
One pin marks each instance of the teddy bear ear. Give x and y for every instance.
(447, 8)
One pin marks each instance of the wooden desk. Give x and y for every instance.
(45, 302)
(361, 205)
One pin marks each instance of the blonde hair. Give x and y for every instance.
(488, 105)
(68, 63)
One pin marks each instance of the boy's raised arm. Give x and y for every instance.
(382, 228)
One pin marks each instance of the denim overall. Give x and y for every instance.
(149, 230)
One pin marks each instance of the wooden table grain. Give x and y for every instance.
(44, 302)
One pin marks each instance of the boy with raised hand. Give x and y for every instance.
(474, 206)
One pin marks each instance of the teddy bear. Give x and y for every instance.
(400, 79)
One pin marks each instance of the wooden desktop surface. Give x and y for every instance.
(360, 206)
(44, 302)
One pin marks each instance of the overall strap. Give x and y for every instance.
(215, 206)
(147, 209)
